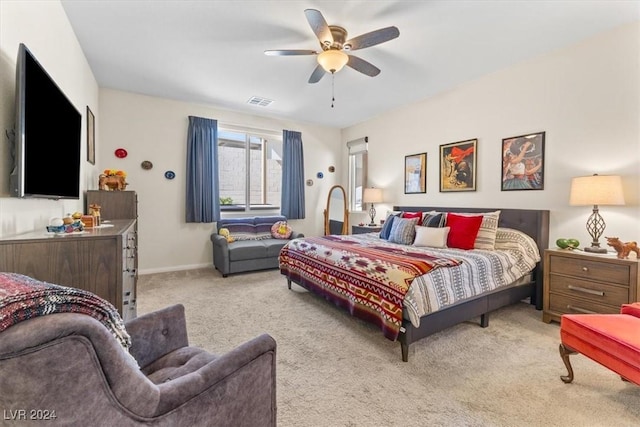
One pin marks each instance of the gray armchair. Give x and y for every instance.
(69, 366)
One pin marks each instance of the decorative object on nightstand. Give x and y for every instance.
(372, 196)
(569, 244)
(623, 249)
(596, 190)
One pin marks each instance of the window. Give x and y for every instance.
(249, 169)
(357, 172)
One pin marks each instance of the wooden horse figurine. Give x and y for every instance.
(623, 249)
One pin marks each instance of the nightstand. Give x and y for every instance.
(360, 229)
(577, 282)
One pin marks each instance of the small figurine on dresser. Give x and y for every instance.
(94, 211)
(623, 249)
(112, 180)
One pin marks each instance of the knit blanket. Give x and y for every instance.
(22, 298)
(369, 280)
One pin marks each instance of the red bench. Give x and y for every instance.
(613, 340)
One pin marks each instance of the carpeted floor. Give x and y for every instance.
(334, 370)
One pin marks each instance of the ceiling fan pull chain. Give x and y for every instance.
(333, 96)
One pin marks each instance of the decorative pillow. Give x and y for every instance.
(224, 232)
(281, 230)
(403, 230)
(431, 237)
(463, 230)
(386, 227)
(413, 215)
(433, 220)
(263, 226)
(486, 238)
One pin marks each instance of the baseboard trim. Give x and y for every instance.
(142, 272)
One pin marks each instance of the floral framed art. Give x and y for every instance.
(458, 166)
(523, 162)
(415, 173)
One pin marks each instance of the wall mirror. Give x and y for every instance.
(336, 215)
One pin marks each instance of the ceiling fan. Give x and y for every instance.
(334, 44)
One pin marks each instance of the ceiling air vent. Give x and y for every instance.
(260, 102)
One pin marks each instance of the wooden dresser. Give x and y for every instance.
(579, 282)
(100, 260)
(114, 204)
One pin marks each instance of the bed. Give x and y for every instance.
(400, 295)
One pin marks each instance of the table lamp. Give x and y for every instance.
(596, 190)
(372, 195)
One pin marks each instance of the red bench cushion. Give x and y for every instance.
(612, 340)
(631, 309)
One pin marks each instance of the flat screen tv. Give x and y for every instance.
(47, 142)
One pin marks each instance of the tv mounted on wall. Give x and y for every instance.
(47, 135)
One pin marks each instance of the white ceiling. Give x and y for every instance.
(211, 52)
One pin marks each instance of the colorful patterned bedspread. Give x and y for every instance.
(369, 280)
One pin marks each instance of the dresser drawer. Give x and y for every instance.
(591, 270)
(564, 304)
(596, 292)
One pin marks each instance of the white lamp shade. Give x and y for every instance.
(596, 190)
(333, 60)
(372, 195)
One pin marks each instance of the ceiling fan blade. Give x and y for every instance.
(319, 26)
(292, 52)
(363, 66)
(317, 74)
(371, 39)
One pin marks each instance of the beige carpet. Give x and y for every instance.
(334, 370)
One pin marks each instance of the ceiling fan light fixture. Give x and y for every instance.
(333, 60)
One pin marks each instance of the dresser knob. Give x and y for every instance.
(585, 269)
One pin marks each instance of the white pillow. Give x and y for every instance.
(432, 237)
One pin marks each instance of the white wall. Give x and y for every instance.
(587, 100)
(155, 129)
(44, 28)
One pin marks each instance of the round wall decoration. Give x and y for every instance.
(121, 153)
(332, 169)
(146, 165)
(309, 182)
(320, 175)
(169, 174)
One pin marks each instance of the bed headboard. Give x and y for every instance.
(533, 222)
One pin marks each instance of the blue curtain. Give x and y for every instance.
(292, 205)
(203, 192)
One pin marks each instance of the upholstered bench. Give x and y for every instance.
(613, 340)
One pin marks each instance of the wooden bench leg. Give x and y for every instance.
(565, 352)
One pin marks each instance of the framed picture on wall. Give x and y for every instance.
(415, 173)
(91, 137)
(458, 166)
(523, 162)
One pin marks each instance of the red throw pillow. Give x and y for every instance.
(412, 215)
(463, 230)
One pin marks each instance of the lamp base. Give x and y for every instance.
(373, 224)
(595, 250)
